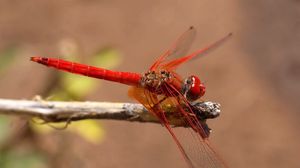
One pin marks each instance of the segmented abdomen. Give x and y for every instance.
(127, 78)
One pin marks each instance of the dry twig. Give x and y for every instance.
(58, 111)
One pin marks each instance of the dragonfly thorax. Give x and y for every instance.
(153, 80)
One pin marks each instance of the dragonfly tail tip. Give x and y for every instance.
(34, 59)
(38, 59)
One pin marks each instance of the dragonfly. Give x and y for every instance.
(162, 91)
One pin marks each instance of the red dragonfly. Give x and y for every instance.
(161, 88)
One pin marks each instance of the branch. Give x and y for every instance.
(57, 111)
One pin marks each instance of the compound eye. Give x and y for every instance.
(193, 88)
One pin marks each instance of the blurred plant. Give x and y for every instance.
(60, 86)
(22, 159)
(7, 57)
(25, 158)
(12, 153)
(4, 128)
(90, 130)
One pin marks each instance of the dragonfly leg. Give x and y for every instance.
(159, 102)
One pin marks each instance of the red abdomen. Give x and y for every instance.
(127, 78)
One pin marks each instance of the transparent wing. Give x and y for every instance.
(173, 64)
(194, 137)
(191, 140)
(179, 48)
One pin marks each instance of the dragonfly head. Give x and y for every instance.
(192, 88)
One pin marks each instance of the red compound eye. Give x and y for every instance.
(193, 88)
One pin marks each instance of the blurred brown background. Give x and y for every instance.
(255, 75)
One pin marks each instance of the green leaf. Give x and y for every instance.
(90, 130)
